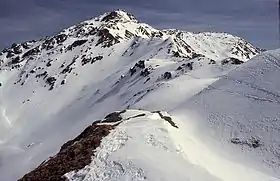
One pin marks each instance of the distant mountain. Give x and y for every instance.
(188, 100)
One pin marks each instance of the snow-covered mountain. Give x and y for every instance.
(190, 101)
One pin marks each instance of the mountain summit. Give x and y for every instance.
(112, 98)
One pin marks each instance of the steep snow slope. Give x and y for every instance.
(237, 118)
(51, 89)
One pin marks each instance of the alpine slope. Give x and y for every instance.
(112, 98)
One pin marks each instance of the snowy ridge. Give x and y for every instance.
(54, 88)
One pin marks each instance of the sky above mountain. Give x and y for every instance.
(254, 20)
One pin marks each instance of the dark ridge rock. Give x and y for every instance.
(144, 31)
(15, 60)
(116, 17)
(91, 60)
(60, 38)
(25, 45)
(137, 116)
(167, 75)
(48, 44)
(113, 117)
(179, 68)
(76, 43)
(196, 55)
(5, 50)
(157, 34)
(10, 54)
(17, 49)
(166, 118)
(69, 67)
(93, 31)
(106, 39)
(110, 16)
(13, 45)
(128, 34)
(73, 155)
(44, 74)
(233, 61)
(140, 64)
(31, 52)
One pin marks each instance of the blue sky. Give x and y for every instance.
(254, 20)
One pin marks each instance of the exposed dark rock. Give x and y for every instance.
(91, 60)
(110, 16)
(10, 54)
(69, 67)
(132, 71)
(44, 74)
(167, 75)
(51, 82)
(25, 45)
(252, 142)
(113, 117)
(179, 68)
(13, 45)
(106, 38)
(212, 62)
(31, 52)
(176, 54)
(196, 55)
(15, 60)
(62, 82)
(145, 72)
(157, 34)
(128, 34)
(49, 63)
(147, 80)
(233, 61)
(76, 43)
(17, 49)
(167, 118)
(73, 155)
(190, 65)
(140, 64)
(60, 38)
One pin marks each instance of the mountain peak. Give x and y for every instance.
(119, 15)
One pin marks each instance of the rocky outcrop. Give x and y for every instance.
(74, 154)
